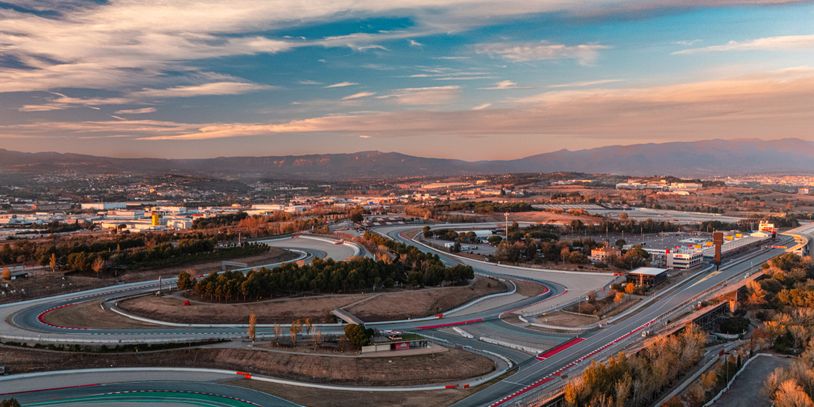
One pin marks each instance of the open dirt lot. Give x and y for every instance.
(405, 370)
(369, 307)
(334, 398)
(46, 284)
(91, 315)
(567, 319)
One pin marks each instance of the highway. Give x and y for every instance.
(489, 333)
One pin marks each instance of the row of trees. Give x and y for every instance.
(637, 380)
(327, 276)
(575, 252)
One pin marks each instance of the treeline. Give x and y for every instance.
(574, 252)
(485, 207)
(154, 250)
(624, 225)
(639, 379)
(161, 255)
(327, 276)
(219, 220)
(397, 265)
(278, 223)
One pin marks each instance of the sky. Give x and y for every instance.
(466, 79)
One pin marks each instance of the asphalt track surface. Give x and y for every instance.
(531, 375)
(142, 388)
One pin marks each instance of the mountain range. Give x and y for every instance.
(696, 158)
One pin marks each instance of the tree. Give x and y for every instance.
(252, 327)
(630, 288)
(12, 402)
(98, 265)
(791, 394)
(184, 281)
(619, 297)
(357, 335)
(308, 326)
(52, 262)
(293, 330)
(317, 338)
(6, 273)
(278, 332)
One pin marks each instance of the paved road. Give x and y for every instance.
(143, 387)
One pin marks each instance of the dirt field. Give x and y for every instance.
(334, 398)
(529, 289)
(567, 319)
(419, 303)
(369, 307)
(91, 315)
(46, 284)
(416, 369)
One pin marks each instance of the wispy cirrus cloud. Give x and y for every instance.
(141, 110)
(341, 85)
(776, 43)
(434, 95)
(204, 89)
(358, 95)
(541, 51)
(502, 85)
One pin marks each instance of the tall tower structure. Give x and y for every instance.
(718, 242)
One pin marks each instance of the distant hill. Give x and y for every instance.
(701, 158)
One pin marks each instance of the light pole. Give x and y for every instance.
(506, 216)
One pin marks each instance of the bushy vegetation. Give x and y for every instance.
(637, 380)
(408, 267)
(357, 335)
(159, 250)
(793, 386)
(484, 207)
(784, 300)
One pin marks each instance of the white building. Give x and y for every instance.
(102, 206)
(684, 260)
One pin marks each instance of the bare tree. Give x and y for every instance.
(278, 332)
(317, 338)
(252, 326)
(308, 326)
(294, 330)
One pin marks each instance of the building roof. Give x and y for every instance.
(648, 271)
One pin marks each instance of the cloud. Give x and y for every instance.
(540, 51)
(341, 85)
(41, 108)
(309, 83)
(142, 110)
(435, 95)
(774, 104)
(482, 106)
(125, 45)
(358, 95)
(213, 88)
(783, 42)
(415, 44)
(503, 85)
